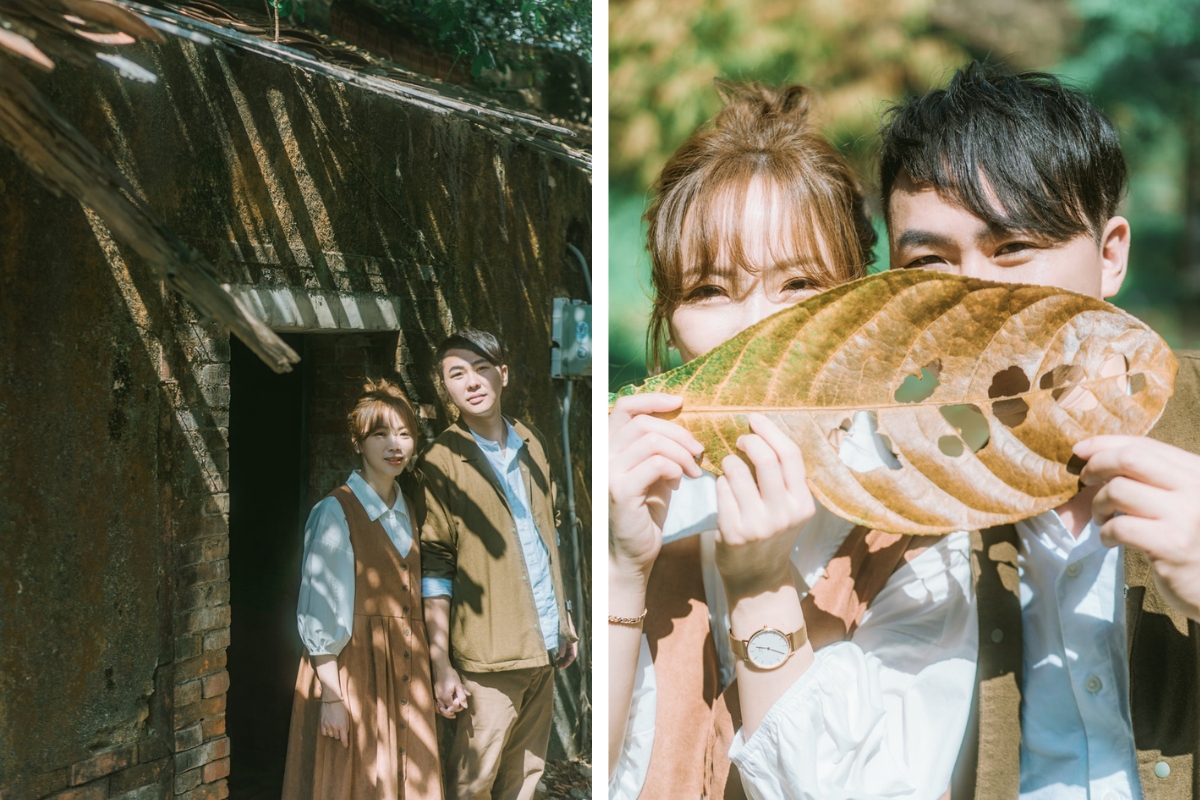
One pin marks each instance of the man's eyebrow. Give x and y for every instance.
(918, 238)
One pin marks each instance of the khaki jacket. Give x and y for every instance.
(468, 536)
(1164, 654)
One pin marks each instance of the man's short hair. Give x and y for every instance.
(479, 342)
(1019, 151)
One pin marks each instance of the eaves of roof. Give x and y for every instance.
(529, 129)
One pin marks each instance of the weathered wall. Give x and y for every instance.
(114, 593)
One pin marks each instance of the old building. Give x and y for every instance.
(154, 474)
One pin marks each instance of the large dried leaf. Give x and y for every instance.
(977, 389)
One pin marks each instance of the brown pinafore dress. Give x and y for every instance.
(385, 681)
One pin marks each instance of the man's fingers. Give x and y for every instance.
(1131, 497)
(1140, 458)
(1137, 532)
(638, 481)
(344, 735)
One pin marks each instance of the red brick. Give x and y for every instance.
(136, 777)
(206, 595)
(186, 781)
(96, 790)
(204, 573)
(187, 738)
(215, 640)
(222, 789)
(214, 726)
(204, 665)
(197, 712)
(206, 619)
(188, 647)
(215, 685)
(101, 764)
(201, 550)
(188, 693)
(216, 770)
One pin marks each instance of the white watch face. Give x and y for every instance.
(767, 649)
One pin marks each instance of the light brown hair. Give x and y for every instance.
(762, 133)
(368, 411)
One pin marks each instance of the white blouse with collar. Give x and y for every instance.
(325, 612)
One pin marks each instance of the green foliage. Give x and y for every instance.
(497, 34)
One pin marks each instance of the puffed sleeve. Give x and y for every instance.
(881, 715)
(325, 613)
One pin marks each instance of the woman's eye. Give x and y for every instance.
(707, 292)
(799, 285)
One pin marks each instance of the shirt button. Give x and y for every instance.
(403, 565)
(406, 609)
(406, 654)
(997, 636)
(1162, 769)
(403, 726)
(1073, 570)
(403, 701)
(1093, 684)
(407, 632)
(405, 679)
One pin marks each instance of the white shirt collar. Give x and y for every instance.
(1049, 530)
(512, 442)
(371, 501)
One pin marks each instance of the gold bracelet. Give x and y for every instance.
(615, 620)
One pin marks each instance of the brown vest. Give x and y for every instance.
(1164, 654)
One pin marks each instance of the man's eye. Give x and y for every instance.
(924, 262)
(1014, 247)
(701, 293)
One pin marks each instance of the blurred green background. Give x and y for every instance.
(1138, 59)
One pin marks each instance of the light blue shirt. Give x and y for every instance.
(507, 467)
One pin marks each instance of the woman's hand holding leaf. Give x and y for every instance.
(647, 458)
(759, 514)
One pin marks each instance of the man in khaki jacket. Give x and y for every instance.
(1088, 680)
(494, 601)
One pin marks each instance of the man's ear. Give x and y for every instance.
(1114, 255)
(504, 374)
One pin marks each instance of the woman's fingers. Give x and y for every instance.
(791, 461)
(767, 469)
(647, 403)
(646, 447)
(729, 516)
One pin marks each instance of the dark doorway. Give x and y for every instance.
(268, 506)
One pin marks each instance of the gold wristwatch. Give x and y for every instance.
(768, 648)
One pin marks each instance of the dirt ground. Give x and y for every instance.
(567, 780)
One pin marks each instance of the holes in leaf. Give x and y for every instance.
(1137, 383)
(1060, 376)
(951, 446)
(1007, 383)
(838, 434)
(1011, 411)
(861, 446)
(916, 388)
(970, 423)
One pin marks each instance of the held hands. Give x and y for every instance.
(646, 458)
(335, 721)
(1151, 501)
(449, 695)
(758, 521)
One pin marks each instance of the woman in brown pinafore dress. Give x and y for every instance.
(363, 715)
